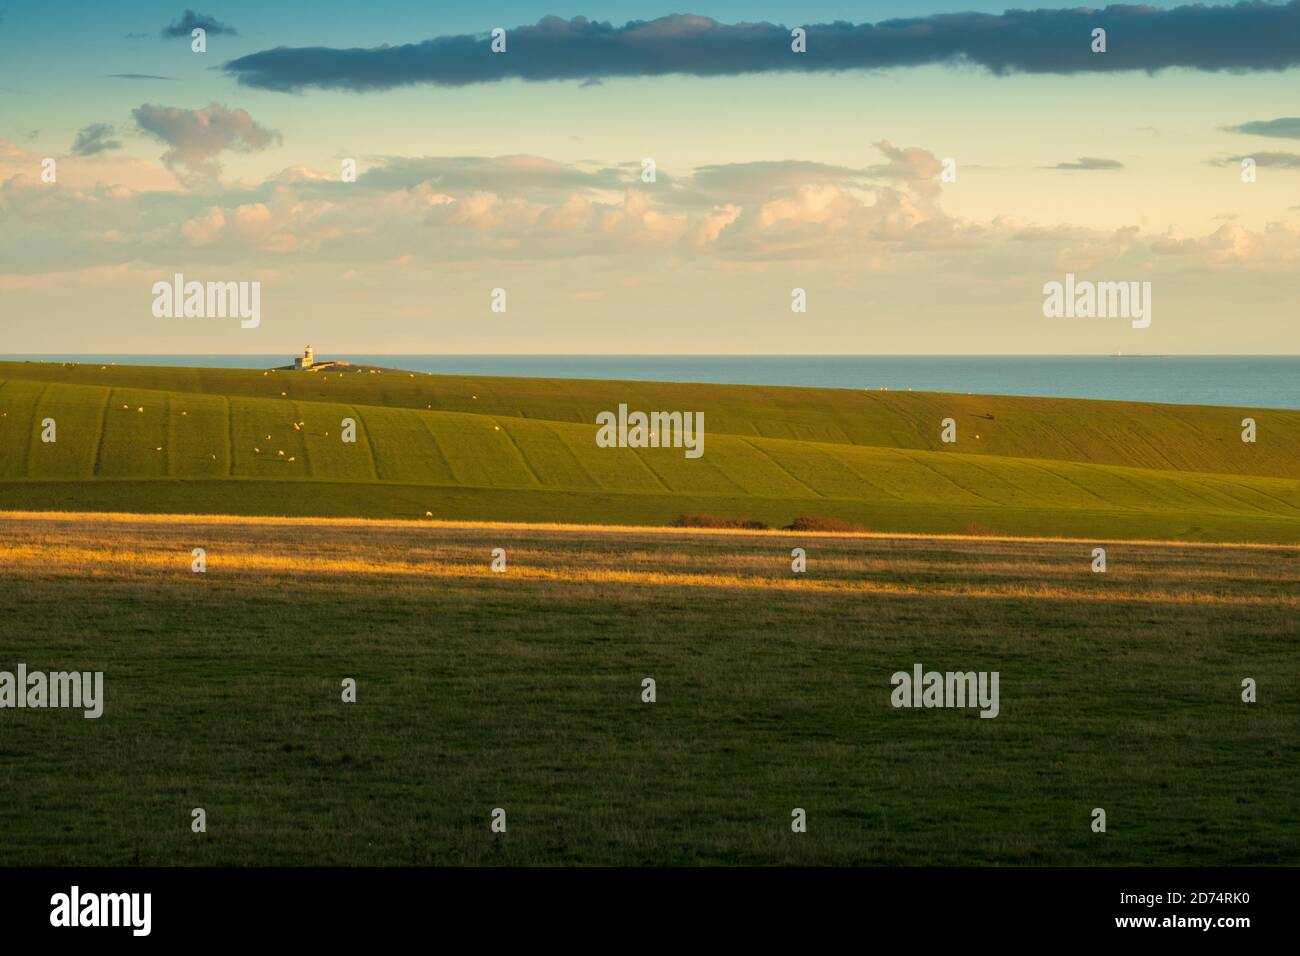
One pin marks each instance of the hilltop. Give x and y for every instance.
(267, 442)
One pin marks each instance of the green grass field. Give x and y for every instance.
(522, 690)
(268, 443)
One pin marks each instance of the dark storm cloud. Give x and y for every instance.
(1268, 160)
(95, 138)
(189, 20)
(1287, 127)
(1247, 36)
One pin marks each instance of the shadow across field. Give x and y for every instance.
(522, 690)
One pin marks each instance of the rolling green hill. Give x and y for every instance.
(254, 442)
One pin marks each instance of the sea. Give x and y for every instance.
(1245, 380)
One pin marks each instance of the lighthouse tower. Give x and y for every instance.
(306, 361)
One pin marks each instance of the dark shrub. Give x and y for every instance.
(713, 521)
(816, 523)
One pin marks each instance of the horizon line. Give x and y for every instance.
(670, 355)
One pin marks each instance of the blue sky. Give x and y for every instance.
(767, 181)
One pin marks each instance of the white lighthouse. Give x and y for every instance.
(306, 361)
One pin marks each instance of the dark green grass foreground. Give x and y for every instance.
(522, 691)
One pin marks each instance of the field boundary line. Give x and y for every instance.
(408, 523)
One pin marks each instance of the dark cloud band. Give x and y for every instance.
(1287, 127)
(1246, 36)
(93, 139)
(1090, 163)
(184, 25)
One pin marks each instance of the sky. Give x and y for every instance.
(524, 171)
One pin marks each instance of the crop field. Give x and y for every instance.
(522, 690)
(520, 687)
(435, 447)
